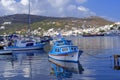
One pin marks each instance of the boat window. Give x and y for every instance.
(60, 41)
(29, 44)
(57, 50)
(73, 48)
(65, 49)
(59, 44)
(23, 41)
(68, 42)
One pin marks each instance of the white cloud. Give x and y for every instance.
(58, 3)
(81, 8)
(85, 11)
(7, 3)
(71, 8)
(24, 2)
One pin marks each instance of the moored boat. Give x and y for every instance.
(24, 45)
(92, 35)
(64, 50)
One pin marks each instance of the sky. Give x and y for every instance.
(108, 9)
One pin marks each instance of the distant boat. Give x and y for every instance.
(65, 69)
(92, 35)
(24, 45)
(64, 50)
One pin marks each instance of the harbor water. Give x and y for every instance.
(95, 63)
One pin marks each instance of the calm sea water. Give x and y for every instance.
(96, 62)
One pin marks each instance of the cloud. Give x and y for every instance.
(7, 2)
(58, 3)
(24, 2)
(62, 8)
(81, 8)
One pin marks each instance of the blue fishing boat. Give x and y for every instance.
(24, 45)
(64, 50)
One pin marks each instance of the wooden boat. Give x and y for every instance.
(64, 50)
(24, 45)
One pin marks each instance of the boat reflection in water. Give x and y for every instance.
(62, 69)
(6, 57)
(21, 64)
(29, 53)
(22, 56)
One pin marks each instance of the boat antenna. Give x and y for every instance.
(29, 20)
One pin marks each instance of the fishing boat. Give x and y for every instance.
(20, 45)
(92, 35)
(62, 69)
(64, 50)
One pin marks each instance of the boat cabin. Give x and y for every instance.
(64, 46)
(24, 43)
(62, 42)
(65, 49)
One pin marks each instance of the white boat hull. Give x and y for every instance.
(5, 51)
(22, 48)
(71, 57)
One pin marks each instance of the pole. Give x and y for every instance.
(29, 20)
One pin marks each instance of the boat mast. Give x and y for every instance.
(29, 20)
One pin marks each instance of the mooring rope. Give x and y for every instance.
(102, 58)
(99, 57)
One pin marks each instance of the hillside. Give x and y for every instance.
(22, 18)
(20, 21)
